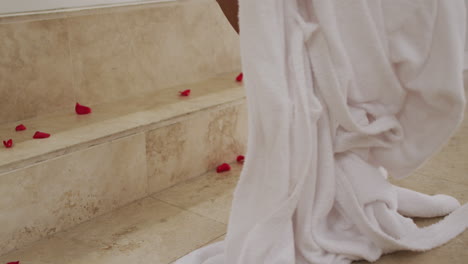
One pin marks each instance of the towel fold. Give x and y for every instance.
(340, 95)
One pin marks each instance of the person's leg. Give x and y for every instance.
(231, 9)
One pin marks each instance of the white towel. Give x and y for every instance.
(339, 94)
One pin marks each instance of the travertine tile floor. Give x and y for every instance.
(157, 229)
(161, 228)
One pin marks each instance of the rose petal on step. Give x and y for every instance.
(8, 143)
(82, 110)
(39, 134)
(20, 127)
(240, 77)
(14, 262)
(185, 93)
(223, 167)
(240, 159)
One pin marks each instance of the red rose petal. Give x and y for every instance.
(14, 262)
(240, 159)
(240, 77)
(39, 134)
(223, 167)
(20, 127)
(82, 110)
(185, 93)
(8, 143)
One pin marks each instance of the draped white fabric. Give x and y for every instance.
(340, 94)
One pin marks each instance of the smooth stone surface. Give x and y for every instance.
(192, 147)
(57, 194)
(219, 239)
(100, 55)
(146, 231)
(209, 195)
(451, 163)
(48, 62)
(35, 69)
(71, 132)
(193, 42)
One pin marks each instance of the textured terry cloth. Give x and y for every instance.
(340, 94)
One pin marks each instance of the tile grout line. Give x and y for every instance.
(189, 180)
(186, 181)
(188, 210)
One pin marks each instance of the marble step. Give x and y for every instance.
(71, 132)
(120, 153)
(165, 226)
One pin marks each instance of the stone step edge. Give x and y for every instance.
(128, 125)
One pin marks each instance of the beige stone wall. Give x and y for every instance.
(49, 62)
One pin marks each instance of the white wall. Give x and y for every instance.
(27, 6)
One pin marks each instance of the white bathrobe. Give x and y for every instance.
(341, 93)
